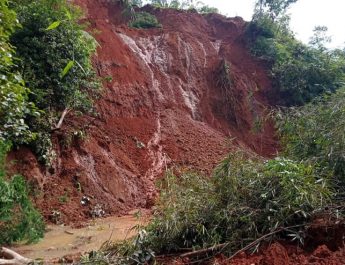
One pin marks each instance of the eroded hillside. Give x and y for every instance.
(161, 106)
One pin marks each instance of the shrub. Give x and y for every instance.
(246, 199)
(206, 9)
(144, 20)
(184, 213)
(299, 72)
(14, 104)
(315, 132)
(55, 54)
(184, 5)
(19, 220)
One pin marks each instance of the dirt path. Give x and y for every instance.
(62, 241)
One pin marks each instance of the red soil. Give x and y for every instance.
(324, 246)
(162, 108)
(280, 254)
(275, 254)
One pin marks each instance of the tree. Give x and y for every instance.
(184, 4)
(320, 38)
(207, 9)
(14, 104)
(274, 7)
(55, 53)
(138, 3)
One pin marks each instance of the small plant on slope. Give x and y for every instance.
(144, 20)
(19, 220)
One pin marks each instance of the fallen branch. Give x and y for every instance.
(12, 258)
(222, 246)
(204, 251)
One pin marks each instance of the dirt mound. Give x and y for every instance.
(280, 254)
(160, 107)
(324, 245)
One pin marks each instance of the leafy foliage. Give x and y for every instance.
(315, 132)
(183, 216)
(299, 72)
(55, 61)
(144, 20)
(185, 4)
(171, 3)
(320, 38)
(19, 220)
(274, 8)
(55, 53)
(14, 104)
(205, 9)
(246, 199)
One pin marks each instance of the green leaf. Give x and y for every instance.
(68, 14)
(67, 68)
(54, 25)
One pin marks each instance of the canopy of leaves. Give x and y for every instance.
(55, 63)
(274, 8)
(205, 9)
(49, 40)
(299, 72)
(185, 4)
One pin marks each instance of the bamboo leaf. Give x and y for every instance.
(67, 68)
(54, 25)
(68, 14)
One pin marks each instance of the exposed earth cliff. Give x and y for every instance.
(161, 106)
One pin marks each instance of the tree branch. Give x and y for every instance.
(12, 258)
(224, 245)
(64, 113)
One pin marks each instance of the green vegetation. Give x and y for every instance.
(15, 106)
(299, 72)
(205, 9)
(172, 4)
(246, 199)
(55, 62)
(144, 20)
(199, 6)
(274, 8)
(18, 218)
(315, 133)
(45, 71)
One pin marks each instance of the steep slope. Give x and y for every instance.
(161, 108)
